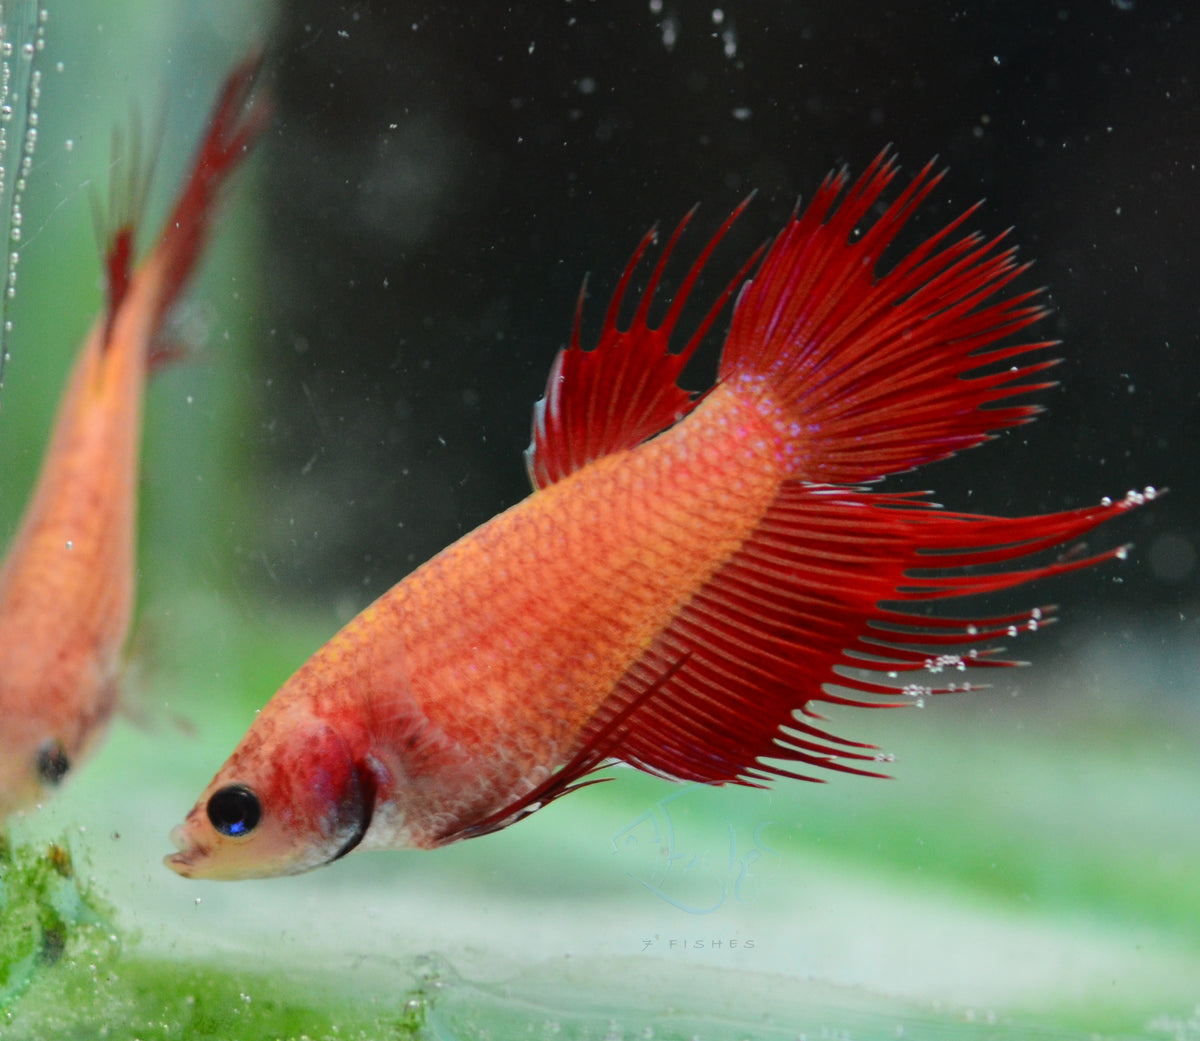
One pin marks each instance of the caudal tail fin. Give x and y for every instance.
(879, 373)
(238, 118)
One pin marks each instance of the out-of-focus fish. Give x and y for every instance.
(67, 584)
(691, 575)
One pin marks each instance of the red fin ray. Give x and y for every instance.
(786, 624)
(624, 390)
(238, 119)
(116, 227)
(882, 372)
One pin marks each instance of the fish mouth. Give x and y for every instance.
(183, 862)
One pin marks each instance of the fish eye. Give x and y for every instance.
(234, 811)
(52, 761)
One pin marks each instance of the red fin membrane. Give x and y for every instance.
(624, 391)
(238, 119)
(127, 194)
(795, 618)
(877, 369)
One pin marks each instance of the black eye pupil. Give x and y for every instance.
(52, 761)
(234, 811)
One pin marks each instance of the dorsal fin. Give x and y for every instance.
(625, 390)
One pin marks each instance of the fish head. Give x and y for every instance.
(291, 798)
(32, 767)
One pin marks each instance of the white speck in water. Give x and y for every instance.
(1122, 553)
(718, 16)
(670, 33)
(70, 544)
(742, 113)
(972, 629)
(1012, 630)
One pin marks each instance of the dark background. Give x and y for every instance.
(442, 176)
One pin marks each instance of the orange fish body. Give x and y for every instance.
(688, 577)
(67, 583)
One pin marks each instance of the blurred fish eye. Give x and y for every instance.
(52, 762)
(234, 811)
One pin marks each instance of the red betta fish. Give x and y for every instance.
(67, 584)
(691, 575)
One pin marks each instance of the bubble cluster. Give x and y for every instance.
(1133, 498)
(22, 37)
(945, 661)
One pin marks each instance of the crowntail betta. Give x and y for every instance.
(67, 583)
(691, 575)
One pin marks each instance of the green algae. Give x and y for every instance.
(49, 917)
(65, 974)
(161, 1000)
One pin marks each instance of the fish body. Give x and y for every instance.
(67, 582)
(690, 575)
